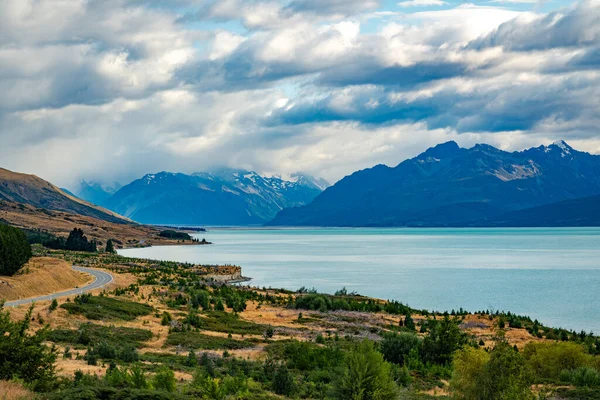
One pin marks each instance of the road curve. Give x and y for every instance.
(101, 279)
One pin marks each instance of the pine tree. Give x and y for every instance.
(15, 250)
(109, 246)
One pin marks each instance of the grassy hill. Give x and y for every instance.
(32, 190)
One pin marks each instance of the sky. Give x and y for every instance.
(110, 90)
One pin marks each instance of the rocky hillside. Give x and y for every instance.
(219, 197)
(452, 186)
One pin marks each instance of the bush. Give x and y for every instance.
(15, 250)
(90, 334)
(24, 355)
(501, 374)
(547, 360)
(165, 380)
(106, 308)
(365, 375)
(581, 377)
(192, 340)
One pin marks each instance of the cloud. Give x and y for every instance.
(422, 3)
(579, 26)
(119, 88)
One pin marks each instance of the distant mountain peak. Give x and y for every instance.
(558, 146)
(441, 151)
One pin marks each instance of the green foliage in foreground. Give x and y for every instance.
(23, 355)
(106, 308)
(15, 250)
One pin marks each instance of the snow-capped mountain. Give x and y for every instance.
(448, 186)
(216, 197)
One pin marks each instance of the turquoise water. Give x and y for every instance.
(549, 274)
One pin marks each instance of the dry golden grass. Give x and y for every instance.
(14, 391)
(61, 223)
(40, 276)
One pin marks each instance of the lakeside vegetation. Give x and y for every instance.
(173, 335)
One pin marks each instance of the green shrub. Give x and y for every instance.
(547, 360)
(193, 340)
(91, 334)
(106, 308)
(165, 380)
(365, 375)
(396, 347)
(581, 377)
(501, 374)
(23, 355)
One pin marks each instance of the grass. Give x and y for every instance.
(153, 361)
(14, 391)
(194, 340)
(106, 308)
(219, 321)
(116, 336)
(41, 275)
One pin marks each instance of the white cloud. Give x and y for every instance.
(422, 3)
(118, 88)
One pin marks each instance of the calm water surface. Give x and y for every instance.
(549, 274)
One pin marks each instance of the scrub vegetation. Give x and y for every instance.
(172, 334)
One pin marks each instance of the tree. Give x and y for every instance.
(365, 375)
(53, 305)
(24, 355)
(409, 323)
(110, 247)
(502, 374)
(165, 379)
(443, 340)
(77, 241)
(15, 250)
(283, 382)
(396, 347)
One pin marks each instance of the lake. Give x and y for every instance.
(549, 274)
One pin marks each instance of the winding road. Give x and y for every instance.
(101, 279)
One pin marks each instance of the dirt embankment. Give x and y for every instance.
(41, 276)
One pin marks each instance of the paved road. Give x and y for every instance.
(101, 279)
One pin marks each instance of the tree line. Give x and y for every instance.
(15, 251)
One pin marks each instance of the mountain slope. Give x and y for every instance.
(219, 197)
(448, 185)
(576, 212)
(34, 191)
(95, 192)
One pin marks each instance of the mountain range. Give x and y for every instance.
(218, 197)
(452, 186)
